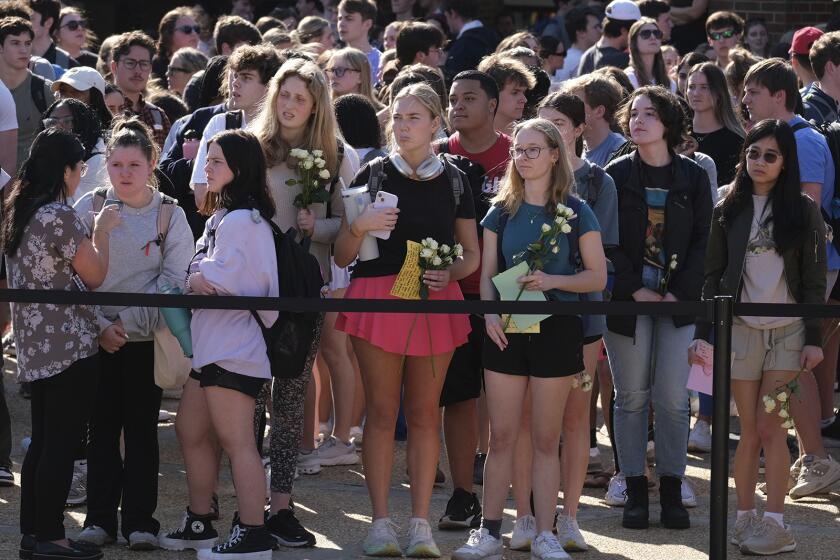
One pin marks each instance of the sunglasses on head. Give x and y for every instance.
(75, 24)
(189, 29)
(768, 157)
(718, 35)
(648, 33)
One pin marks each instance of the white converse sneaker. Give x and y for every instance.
(524, 531)
(335, 452)
(480, 546)
(420, 541)
(569, 535)
(616, 491)
(382, 539)
(547, 547)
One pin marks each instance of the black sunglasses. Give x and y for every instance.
(769, 157)
(75, 24)
(648, 33)
(189, 29)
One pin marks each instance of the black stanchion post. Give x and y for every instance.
(720, 427)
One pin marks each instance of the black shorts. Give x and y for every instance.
(212, 375)
(557, 351)
(466, 374)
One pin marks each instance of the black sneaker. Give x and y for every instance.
(244, 543)
(287, 530)
(196, 532)
(478, 468)
(463, 511)
(27, 547)
(52, 551)
(25, 390)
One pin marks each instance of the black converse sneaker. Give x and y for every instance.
(285, 528)
(244, 543)
(196, 532)
(463, 511)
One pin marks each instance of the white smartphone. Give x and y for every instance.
(384, 200)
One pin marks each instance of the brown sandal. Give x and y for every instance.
(597, 480)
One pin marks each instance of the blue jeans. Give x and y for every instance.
(652, 367)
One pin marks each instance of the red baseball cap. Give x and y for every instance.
(803, 39)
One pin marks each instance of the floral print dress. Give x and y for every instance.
(50, 338)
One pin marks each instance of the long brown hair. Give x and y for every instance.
(660, 76)
(512, 192)
(166, 29)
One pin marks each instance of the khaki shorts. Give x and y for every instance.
(757, 350)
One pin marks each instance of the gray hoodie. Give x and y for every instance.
(135, 263)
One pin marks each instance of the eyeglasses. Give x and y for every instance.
(75, 24)
(189, 29)
(769, 157)
(725, 34)
(339, 71)
(63, 122)
(131, 64)
(648, 33)
(531, 153)
(172, 69)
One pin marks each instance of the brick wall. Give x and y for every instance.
(780, 15)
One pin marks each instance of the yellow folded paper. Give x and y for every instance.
(407, 284)
(514, 329)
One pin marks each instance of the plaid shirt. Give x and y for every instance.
(153, 116)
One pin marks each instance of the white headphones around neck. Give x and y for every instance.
(431, 167)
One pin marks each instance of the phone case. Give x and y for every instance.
(384, 200)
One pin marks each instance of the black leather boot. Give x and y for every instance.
(674, 514)
(636, 507)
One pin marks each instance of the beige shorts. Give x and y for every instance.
(757, 350)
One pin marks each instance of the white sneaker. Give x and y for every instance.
(480, 546)
(308, 463)
(524, 532)
(547, 547)
(700, 437)
(164, 416)
(689, 498)
(335, 452)
(816, 474)
(78, 485)
(616, 491)
(420, 541)
(142, 540)
(382, 539)
(569, 535)
(96, 535)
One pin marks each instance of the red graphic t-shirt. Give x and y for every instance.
(494, 160)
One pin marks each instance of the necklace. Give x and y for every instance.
(537, 213)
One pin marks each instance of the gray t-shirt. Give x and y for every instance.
(28, 115)
(600, 154)
(604, 203)
(50, 338)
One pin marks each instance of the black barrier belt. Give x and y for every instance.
(685, 308)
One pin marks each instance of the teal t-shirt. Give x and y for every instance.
(524, 227)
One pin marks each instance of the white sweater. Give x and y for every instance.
(240, 261)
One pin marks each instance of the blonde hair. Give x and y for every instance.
(512, 192)
(427, 97)
(357, 60)
(321, 129)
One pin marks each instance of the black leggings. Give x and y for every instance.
(60, 407)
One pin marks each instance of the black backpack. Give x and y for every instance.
(292, 337)
(831, 133)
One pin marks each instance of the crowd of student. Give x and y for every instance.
(623, 167)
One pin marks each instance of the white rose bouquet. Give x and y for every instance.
(672, 266)
(314, 177)
(436, 256)
(782, 395)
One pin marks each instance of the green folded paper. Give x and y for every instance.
(508, 289)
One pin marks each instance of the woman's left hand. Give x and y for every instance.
(537, 281)
(306, 221)
(810, 357)
(436, 280)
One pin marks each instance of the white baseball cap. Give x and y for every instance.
(81, 78)
(625, 10)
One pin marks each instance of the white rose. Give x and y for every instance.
(307, 164)
(545, 228)
(319, 163)
(433, 245)
(426, 253)
(555, 249)
(317, 153)
(444, 249)
(559, 220)
(673, 265)
(566, 228)
(782, 397)
(560, 208)
(459, 250)
(324, 174)
(436, 261)
(783, 413)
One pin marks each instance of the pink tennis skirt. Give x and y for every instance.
(412, 334)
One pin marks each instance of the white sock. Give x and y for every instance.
(743, 512)
(777, 517)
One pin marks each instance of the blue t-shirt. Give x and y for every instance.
(373, 58)
(600, 154)
(816, 166)
(524, 227)
(605, 206)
